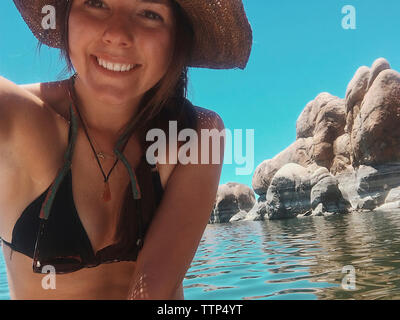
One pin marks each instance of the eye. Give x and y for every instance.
(152, 15)
(95, 4)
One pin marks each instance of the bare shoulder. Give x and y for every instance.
(10, 93)
(208, 119)
(53, 94)
(9, 89)
(27, 123)
(16, 107)
(34, 99)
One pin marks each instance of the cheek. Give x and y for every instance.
(158, 49)
(81, 31)
(75, 28)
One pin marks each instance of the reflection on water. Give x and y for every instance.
(298, 258)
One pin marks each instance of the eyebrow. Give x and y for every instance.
(164, 2)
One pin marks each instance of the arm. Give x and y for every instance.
(5, 123)
(24, 134)
(175, 233)
(11, 175)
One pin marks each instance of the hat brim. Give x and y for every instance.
(223, 36)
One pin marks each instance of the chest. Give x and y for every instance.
(99, 186)
(99, 219)
(92, 177)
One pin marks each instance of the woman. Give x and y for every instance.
(78, 197)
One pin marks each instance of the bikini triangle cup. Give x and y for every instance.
(50, 196)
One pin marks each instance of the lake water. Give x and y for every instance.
(294, 259)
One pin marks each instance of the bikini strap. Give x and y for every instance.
(72, 135)
(123, 139)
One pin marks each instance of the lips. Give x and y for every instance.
(118, 67)
(114, 66)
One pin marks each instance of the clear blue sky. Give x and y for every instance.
(300, 49)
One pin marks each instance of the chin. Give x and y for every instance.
(112, 92)
(113, 98)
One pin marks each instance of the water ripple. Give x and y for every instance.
(294, 259)
(299, 258)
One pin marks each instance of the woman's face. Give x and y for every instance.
(133, 38)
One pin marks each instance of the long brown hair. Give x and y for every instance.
(165, 102)
(172, 88)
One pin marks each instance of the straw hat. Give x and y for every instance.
(223, 36)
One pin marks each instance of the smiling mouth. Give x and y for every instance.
(116, 67)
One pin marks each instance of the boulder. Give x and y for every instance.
(321, 210)
(289, 192)
(299, 152)
(342, 154)
(378, 66)
(317, 174)
(262, 176)
(326, 195)
(376, 182)
(305, 124)
(388, 206)
(257, 213)
(357, 88)
(329, 125)
(393, 195)
(392, 200)
(377, 131)
(348, 186)
(231, 199)
(238, 216)
(367, 187)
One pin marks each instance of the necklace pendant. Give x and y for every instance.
(101, 155)
(106, 192)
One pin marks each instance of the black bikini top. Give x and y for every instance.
(50, 231)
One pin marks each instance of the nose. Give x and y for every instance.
(118, 32)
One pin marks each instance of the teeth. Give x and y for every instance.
(118, 67)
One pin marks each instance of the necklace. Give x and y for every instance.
(101, 154)
(106, 195)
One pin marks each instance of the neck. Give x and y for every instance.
(104, 118)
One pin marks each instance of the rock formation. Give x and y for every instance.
(232, 198)
(346, 155)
